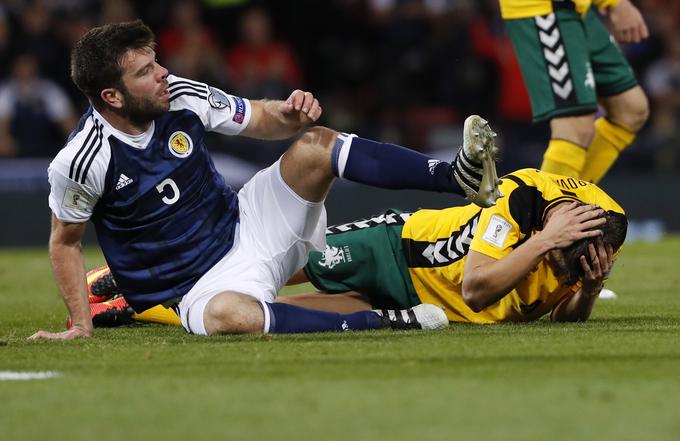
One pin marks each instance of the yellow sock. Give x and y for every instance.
(158, 314)
(608, 142)
(563, 157)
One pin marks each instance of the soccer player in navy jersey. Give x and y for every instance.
(173, 233)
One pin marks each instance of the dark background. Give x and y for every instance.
(406, 72)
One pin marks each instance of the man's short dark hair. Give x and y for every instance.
(613, 233)
(96, 58)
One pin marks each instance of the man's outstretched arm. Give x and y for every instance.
(68, 266)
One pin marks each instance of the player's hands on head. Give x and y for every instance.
(627, 22)
(571, 222)
(71, 334)
(302, 106)
(596, 268)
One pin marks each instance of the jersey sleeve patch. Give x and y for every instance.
(497, 231)
(219, 111)
(239, 111)
(75, 199)
(218, 99)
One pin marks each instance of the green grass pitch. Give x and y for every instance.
(616, 377)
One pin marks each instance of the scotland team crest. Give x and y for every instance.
(180, 144)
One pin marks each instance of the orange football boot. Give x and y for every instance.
(109, 314)
(100, 284)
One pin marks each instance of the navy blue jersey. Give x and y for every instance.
(162, 213)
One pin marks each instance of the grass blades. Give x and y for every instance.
(616, 377)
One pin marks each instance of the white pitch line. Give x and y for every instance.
(21, 376)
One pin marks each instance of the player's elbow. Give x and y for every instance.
(473, 296)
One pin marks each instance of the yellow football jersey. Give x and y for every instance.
(436, 243)
(530, 8)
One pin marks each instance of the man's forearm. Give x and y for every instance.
(268, 122)
(575, 308)
(487, 284)
(69, 271)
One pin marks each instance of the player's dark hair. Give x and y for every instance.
(613, 233)
(96, 57)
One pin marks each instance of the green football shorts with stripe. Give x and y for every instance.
(366, 256)
(568, 61)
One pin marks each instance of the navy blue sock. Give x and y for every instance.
(390, 166)
(291, 319)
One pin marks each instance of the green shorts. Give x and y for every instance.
(567, 62)
(366, 256)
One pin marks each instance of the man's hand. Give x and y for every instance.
(301, 107)
(275, 120)
(73, 333)
(595, 273)
(627, 22)
(571, 222)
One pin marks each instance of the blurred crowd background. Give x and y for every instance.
(402, 71)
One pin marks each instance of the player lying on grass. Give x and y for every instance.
(525, 257)
(170, 228)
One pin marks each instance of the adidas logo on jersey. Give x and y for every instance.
(123, 181)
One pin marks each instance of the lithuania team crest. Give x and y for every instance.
(180, 144)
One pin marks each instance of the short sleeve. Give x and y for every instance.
(219, 111)
(70, 201)
(497, 232)
(77, 180)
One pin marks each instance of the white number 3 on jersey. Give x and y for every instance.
(175, 191)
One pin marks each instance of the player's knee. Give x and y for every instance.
(634, 116)
(232, 314)
(579, 130)
(630, 109)
(317, 141)
(313, 149)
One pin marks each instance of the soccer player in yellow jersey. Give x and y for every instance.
(570, 64)
(547, 246)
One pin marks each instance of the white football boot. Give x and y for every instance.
(423, 316)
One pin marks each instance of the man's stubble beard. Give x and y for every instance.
(141, 111)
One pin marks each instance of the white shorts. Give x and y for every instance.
(276, 231)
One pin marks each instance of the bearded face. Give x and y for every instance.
(143, 88)
(142, 110)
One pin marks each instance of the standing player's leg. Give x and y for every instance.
(625, 104)
(567, 150)
(552, 52)
(625, 114)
